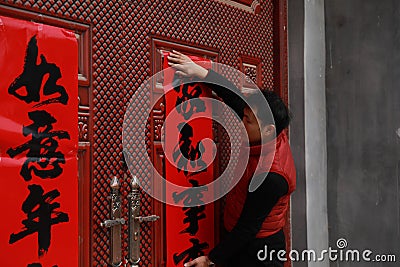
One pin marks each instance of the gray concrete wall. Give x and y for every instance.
(363, 115)
(308, 128)
(315, 128)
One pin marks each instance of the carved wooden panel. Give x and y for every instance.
(251, 67)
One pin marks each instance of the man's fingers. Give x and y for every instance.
(179, 56)
(172, 54)
(175, 59)
(173, 64)
(178, 59)
(181, 73)
(176, 66)
(190, 263)
(178, 53)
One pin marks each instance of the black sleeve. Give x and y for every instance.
(226, 90)
(258, 205)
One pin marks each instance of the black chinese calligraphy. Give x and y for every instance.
(41, 215)
(32, 78)
(42, 158)
(189, 101)
(191, 253)
(37, 265)
(192, 196)
(193, 216)
(185, 154)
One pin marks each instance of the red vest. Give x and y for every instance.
(282, 163)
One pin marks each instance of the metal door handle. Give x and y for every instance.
(115, 223)
(111, 223)
(151, 218)
(134, 222)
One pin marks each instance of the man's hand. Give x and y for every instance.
(201, 261)
(185, 66)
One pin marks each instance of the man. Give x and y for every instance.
(254, 219)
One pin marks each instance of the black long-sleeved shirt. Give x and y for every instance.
(259, 203)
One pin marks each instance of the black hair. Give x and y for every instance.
(280, 112)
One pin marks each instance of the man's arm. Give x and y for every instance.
(226, 90)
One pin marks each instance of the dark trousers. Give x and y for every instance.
(249, 256)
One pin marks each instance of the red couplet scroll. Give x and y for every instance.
(188, 149)
(38, 145)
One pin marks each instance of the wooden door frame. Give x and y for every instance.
(280, 62)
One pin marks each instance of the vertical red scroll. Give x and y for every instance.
(38, 145)
(190, 230)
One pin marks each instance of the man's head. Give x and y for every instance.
(271, 125)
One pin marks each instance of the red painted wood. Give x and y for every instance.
(281, 77)
(121, 37)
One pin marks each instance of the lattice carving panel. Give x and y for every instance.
(122, 31)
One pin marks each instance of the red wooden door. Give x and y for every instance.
(119, 44)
